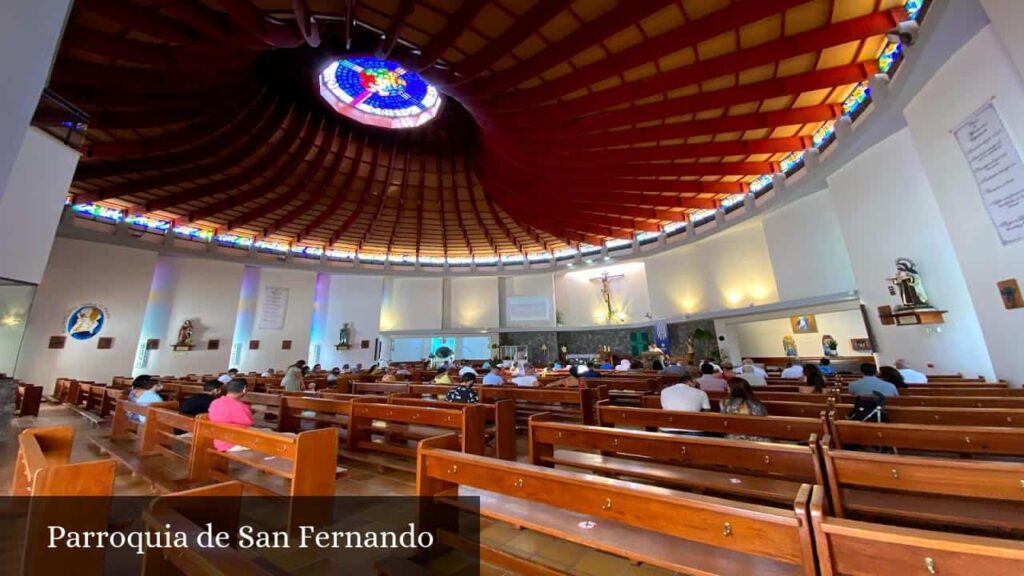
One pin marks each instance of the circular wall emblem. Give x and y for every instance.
(86, 321)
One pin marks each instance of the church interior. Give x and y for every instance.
(495, 287)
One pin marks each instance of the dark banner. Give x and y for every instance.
(247, 535)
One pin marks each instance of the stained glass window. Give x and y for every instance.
(379, 93)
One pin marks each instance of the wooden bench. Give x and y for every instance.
(975, 440)
(43, 466)
(27, 398)
(307, 460)
(379, 388)
(673, 530)
(813, 409)
(395, 425)
(918, 490)
(758, 470)
(948, 401)
(650, 419)
(122, 426)
(499, 420)
(189, 512)
(623, 390)
(855, 547)
(1000, 417)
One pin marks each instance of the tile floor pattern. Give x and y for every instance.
(362, 480)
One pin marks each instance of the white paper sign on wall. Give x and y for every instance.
(998, 171)
(273, 309)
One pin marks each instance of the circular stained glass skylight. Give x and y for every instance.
(379, 93)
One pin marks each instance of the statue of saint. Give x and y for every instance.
(908, 286)
(344, 334)
(185, 334)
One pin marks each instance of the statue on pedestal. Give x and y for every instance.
(344, 334)
(185, 334)
(908, 286)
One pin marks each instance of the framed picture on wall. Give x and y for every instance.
(105, 343)
(364, 344)
(153, 344)
(860, 345)
(286, 344)
(57, 342)
(254, 344)
(213, 345)
(806, 324)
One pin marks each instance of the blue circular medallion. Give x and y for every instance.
(379, 93)
(85, 322)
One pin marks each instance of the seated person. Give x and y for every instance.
(748, 373)
(871, 383)
(229, 409)
(442, 376)
(676, 369)
(709, 381)
(604, 366)
(493, 378)
(591, 371)
(467, 369)
(525, 377)
(570, 381)
(624, 366)
(727, 370)
(742, 401)
(268, 373)
(793, 371)
(750, 368)
(228, 376)
(463, 393)
(892, 376)
(346, 369)
(684, 397)
(317, 368)
(825, 367)
(144, 391)
(200, 403)
(333, 375)
(390, 375)
(814, 382)
(403, 371)
(910, 376)
(657, 365)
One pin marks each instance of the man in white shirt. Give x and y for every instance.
(467, 369)
(752, 377)
(750, 368)
(793, 371)
(493, 378)
(228, 376)
(624, 366)
(684, 397)
(527, 377)
(910, 376)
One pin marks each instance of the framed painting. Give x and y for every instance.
(805, 324)
(860, 345)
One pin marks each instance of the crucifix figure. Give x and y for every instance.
(606, 291)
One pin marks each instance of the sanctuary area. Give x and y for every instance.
(495, 287)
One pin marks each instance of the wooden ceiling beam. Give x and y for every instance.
(314, 190)
(342, 191)
(209, 22)
(549, 123)
(140, 80)
(285, 170)
(419, 205)
(302, 186)
(361, 200)
(135, 17)
(403, 186)
(256, 23)
(383, 193)
(188, 57)
(612, 21)
(453, 28)
(394, 31)
(263, 166)
(648, 154)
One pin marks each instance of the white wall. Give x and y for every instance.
(412, 304)
(204, 291)
(15, 301)
(30, 208)
(474, 302)
(297, 321)
(808, 256)
(356, 300)
(764, 337)
(886, 210)
(729, 270)
(29, 33)
(539, 289)
(578, 295)
(977, 73)
(80, 273)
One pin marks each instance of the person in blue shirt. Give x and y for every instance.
(144, 391)
(493, 378)
(825, 367)
(871, 383)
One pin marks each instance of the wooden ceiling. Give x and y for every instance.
(564, 122)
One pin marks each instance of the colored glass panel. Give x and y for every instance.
(379, 93)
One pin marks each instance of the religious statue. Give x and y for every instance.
(344, 334)
(185, 334)
(606, 292)
(908, 286)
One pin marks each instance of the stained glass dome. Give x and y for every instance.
(379, 93)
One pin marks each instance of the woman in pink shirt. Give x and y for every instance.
(229, 409)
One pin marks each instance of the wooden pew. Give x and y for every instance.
(623, 390)
(1007, 417)
(395, 425)
(676, 531)
(948, 401)
(975, 440)
(266, 409)
(763, 471)
(499, 419)
(123, 427)
(379, 388)
(865, 548)
(996, 392)
(189, 512)
(307, 460)
(569, 402)
(167, 432)
(43, 466)
(813, 409)
(27, 398)
(916, 490)
(775, 427)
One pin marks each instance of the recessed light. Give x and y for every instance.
(589, 261)
(607, 258)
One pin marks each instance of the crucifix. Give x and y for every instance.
(606, 291)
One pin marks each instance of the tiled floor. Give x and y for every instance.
(362, 480)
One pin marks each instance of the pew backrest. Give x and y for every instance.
(43, 467)
(777, 427)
